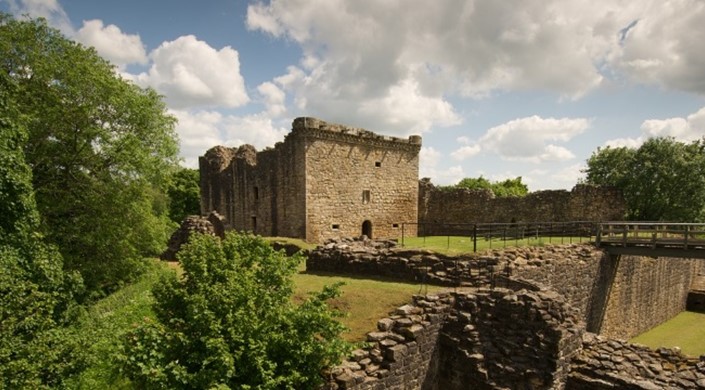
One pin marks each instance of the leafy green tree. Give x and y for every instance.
(662, 180)
(509, 187)
(101, 150)
(472, 183)
(230, 322)
(184, 194)
(36, 296)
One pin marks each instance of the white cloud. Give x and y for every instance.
(51, 10)
(568, 176)
(661, 45)
(198, 132)
(429, 158)
(190, 73)
(112, 44)
(273, 97)
(527, 139)
(685, 129)
(201, 130)
(469, 149)
(257, 130)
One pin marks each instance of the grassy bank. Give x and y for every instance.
(686, 331)
(107, 321)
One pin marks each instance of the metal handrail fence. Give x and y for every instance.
(504, 234)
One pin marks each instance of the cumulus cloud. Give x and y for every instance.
(429, 159)
(530, 139)
(51, 10)
(469, 149)
(190, 73)
(685, 129)
(201, 130)
(660, 47)
(112, 44)
(273, 97)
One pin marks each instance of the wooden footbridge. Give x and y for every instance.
(652, 239)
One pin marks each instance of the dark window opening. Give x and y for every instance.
(378, 164)
(395, 225)
(256, 193)
(254, 224)
(365, 196)
(335, 226)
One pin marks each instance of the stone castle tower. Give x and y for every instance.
(324, 181)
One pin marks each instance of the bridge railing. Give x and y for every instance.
(651, 234)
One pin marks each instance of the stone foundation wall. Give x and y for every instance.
(618, 297)
(606, 364)
(468, 340)
(644, 292)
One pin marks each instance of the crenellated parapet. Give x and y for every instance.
(319, 129)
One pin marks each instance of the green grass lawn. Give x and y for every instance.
(365, 301)
(686, 330)
(453, 245)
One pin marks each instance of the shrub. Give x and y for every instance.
(229, 322)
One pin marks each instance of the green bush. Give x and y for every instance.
(229, 322)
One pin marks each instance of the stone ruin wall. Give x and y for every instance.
(311, 185)
(467, 340)
(436, 344)
(262, 192)
(617, 297)
(341, 164)
(462, 206)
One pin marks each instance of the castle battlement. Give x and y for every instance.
(316, 128)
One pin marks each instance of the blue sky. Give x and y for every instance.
(495, 88)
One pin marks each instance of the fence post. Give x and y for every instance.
(474, 238)
(402, 233)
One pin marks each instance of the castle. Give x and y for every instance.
(328, 181)
(324, 181)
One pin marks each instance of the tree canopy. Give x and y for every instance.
(36, 296)
(100, 150)
(184, 194)
(505, 188)
(662, 180)
(230, 322)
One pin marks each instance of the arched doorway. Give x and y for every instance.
(367, 229)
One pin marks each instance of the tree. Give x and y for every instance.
(508, 187)
(36, 296)
(230, 322)
(662, 180)
(100, 148)
(184, 194)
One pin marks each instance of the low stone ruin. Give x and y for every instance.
(212, 225)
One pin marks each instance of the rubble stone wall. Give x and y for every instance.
(619, 297)
(604, 364)
(439, 207)
(487, 339)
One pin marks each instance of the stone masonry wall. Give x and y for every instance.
(606, 364)
(262, 192)
(486, 339)
(324, 181)
(462, 206)
(617, 298)
(645, 292)
(355, 177)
